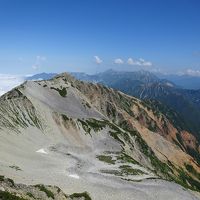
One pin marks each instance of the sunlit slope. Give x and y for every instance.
(86, 137)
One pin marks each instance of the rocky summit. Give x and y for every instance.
(68, 139)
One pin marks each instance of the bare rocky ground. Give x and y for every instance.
(56, 150)
(77, 170)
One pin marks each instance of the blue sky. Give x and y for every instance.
(95, 35)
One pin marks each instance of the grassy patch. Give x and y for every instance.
(30, 195)
(191, 170)
(124, 170)
(86, 104)
(1, 178)
(116, 137)
(126, 158)
(92, 124)
(106, 159)
(85, 126)
(8, 196)
(62, 92)
(84, 195)
(10, 181)
(156, 163)
(96, 125)
(186, 181)
(45, 190)
(128, 170)
(64, 117)
(15, 167)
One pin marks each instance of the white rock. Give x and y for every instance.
(41, 151)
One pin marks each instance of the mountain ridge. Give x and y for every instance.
(85, 131)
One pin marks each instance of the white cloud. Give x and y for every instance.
(38, 62)
(7, 82)
(192, 72)
(130, 61)
(118, 61)
(139, 62)
(98, 60)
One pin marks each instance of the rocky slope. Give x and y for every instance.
(86, 137)
(11, 191)
(147, 86)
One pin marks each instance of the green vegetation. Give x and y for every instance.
(159, 166)
(64, 117)
(191, 170)
(194, 153)
(126, 103)
(1, 178)
(179, 138)
(107, 159)
(115, 135)
(111, 111)
(62, 92)
(84, 195)
(126, 158)
(111, 171)
(93, 124)
(58, 190)
(187, 181)
(30, 195)
(96, 125)
(10, 181)
(85, 126)
(178, 144)
(124, 170)
(45, 190)
(152, 126)
(15, 167)
(4, 195)
(128, 170)
(86, 104)
(164, 170)
(160, 109)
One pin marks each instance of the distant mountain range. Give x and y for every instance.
(41, 76)
(182, 81)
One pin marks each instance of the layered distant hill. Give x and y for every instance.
(184, 81)
(84, 136)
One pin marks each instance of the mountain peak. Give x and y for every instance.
(66, 76)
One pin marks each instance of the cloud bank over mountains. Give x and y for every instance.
(98, 60)
(7, 82)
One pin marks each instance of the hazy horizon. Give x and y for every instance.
(94, 36)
